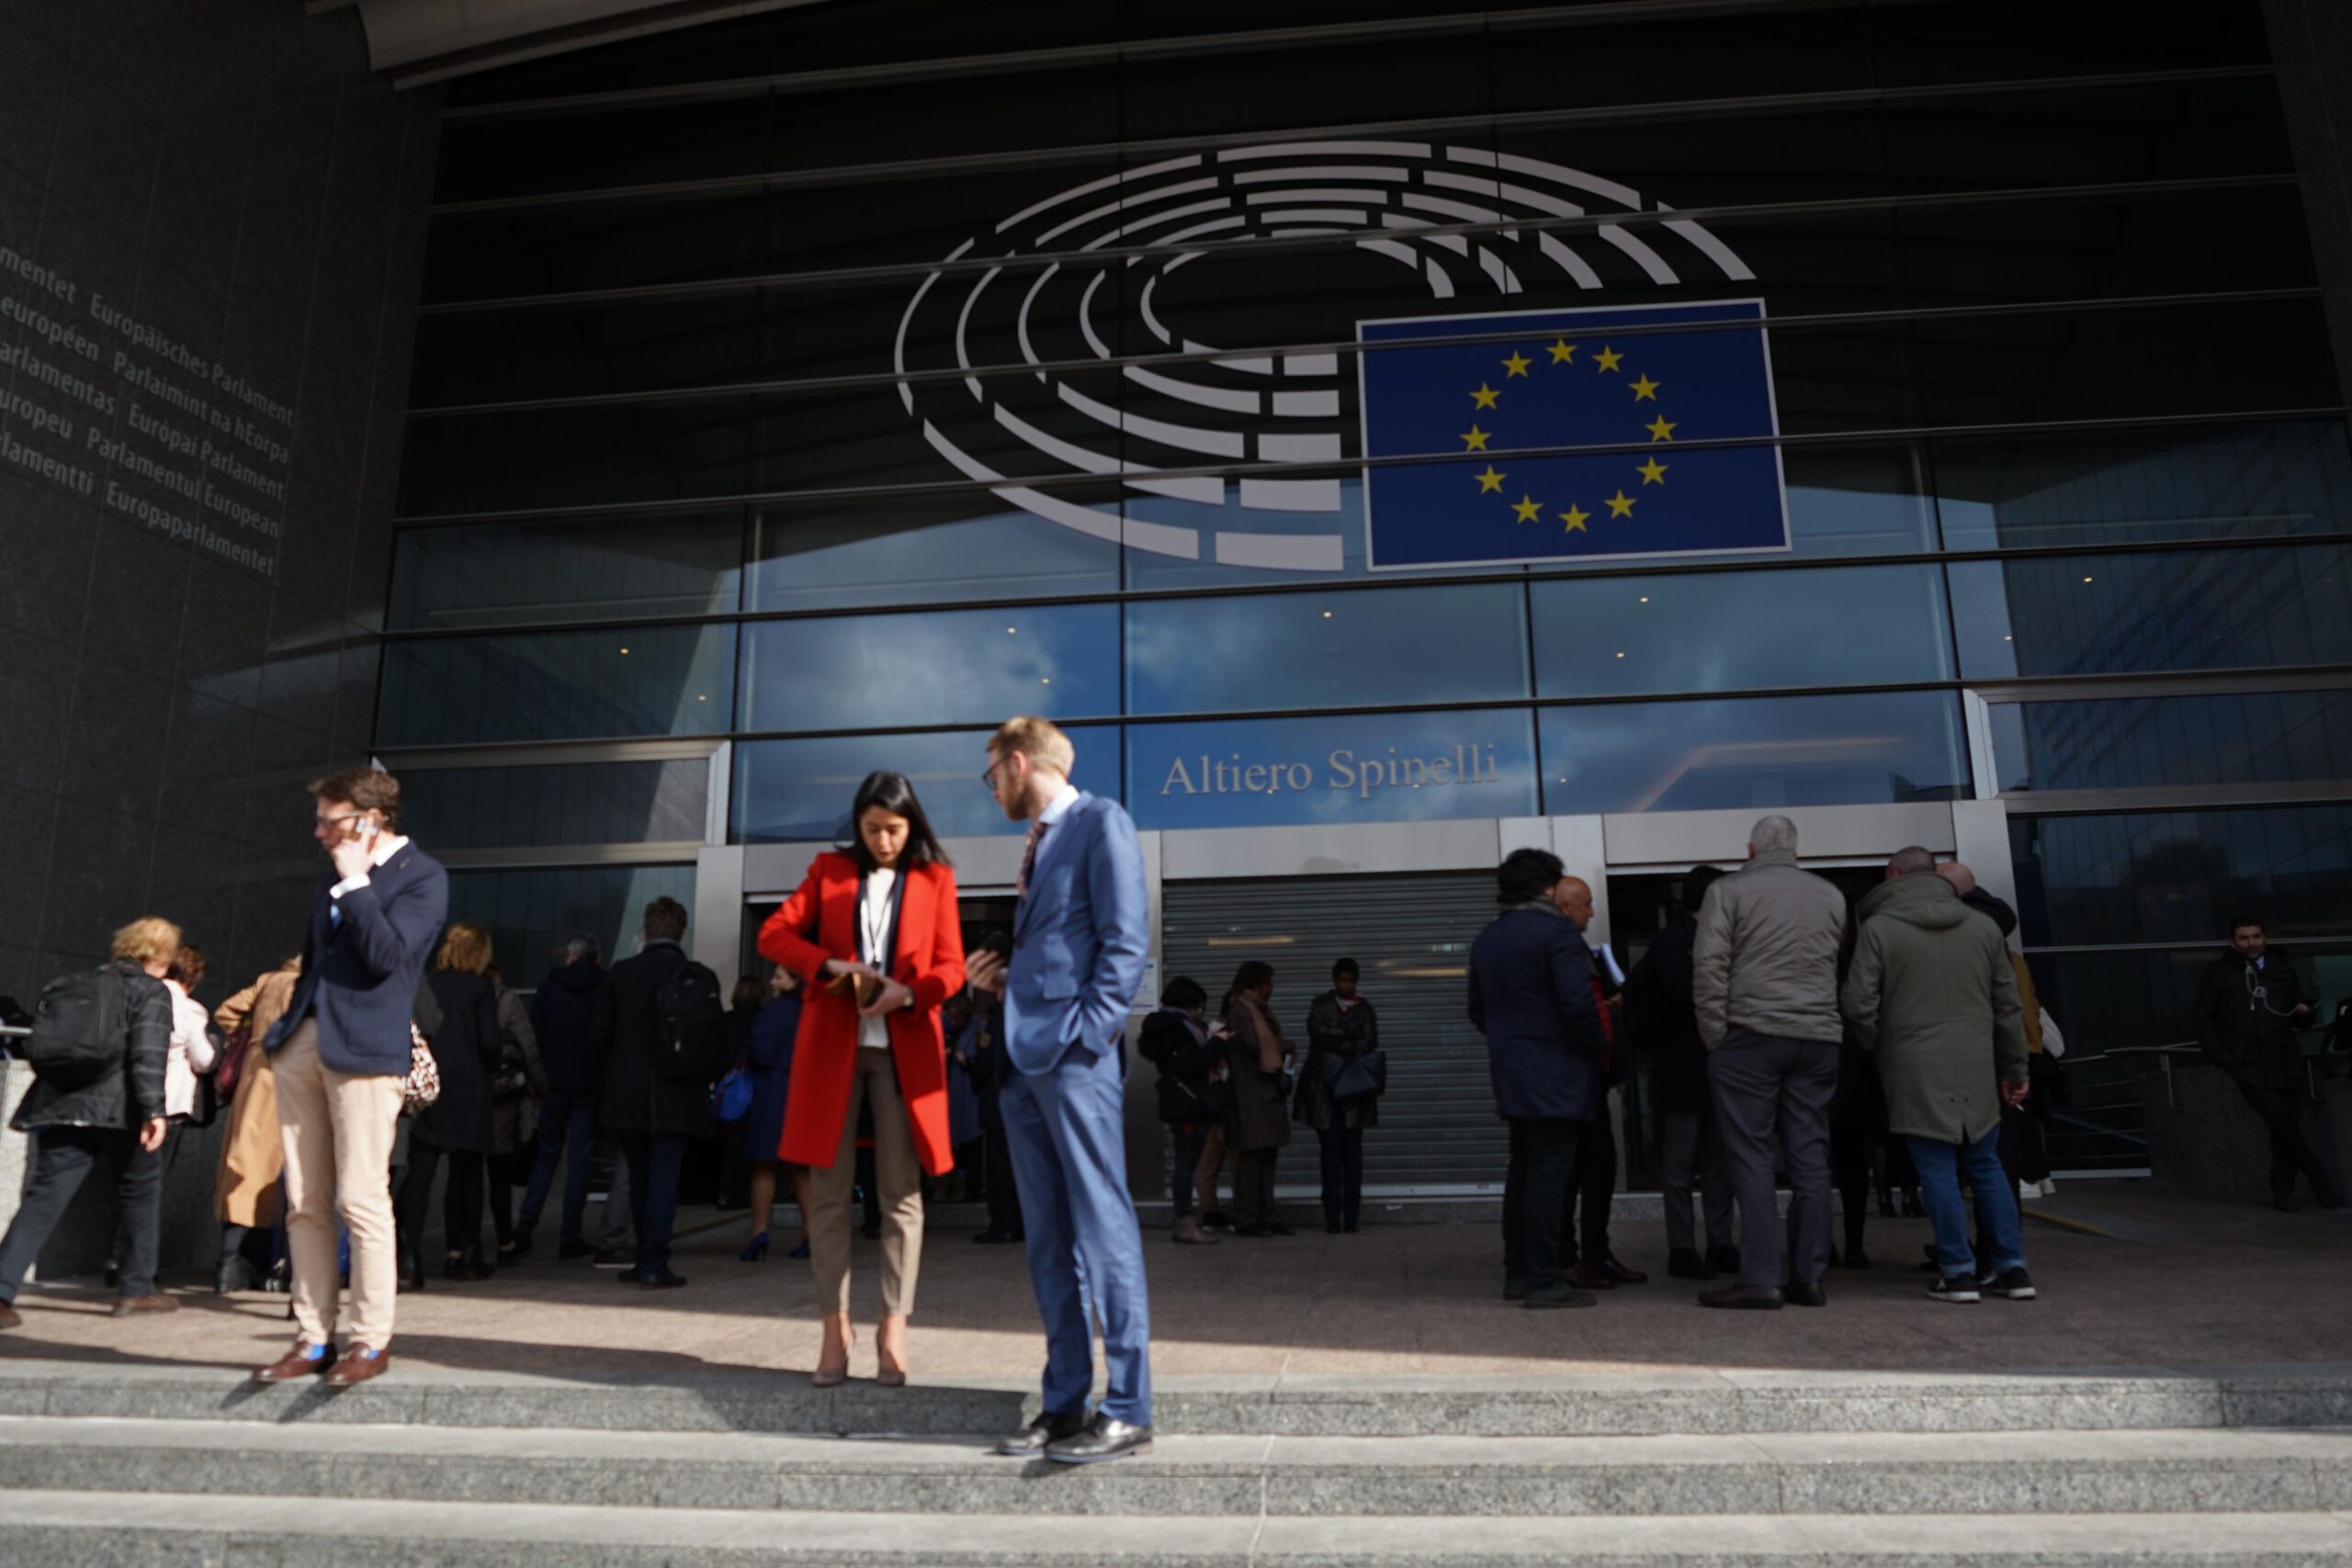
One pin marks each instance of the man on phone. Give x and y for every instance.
(1079, 941)
(340, 1057)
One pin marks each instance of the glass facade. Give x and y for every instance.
(752, 406)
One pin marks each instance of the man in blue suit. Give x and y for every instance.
(1079, 941)
(340, 1058)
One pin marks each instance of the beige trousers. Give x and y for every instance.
(897, 1172)
(338, 1130)
(1214, 1159)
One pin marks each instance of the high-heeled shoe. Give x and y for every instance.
(757, 1250)
(801, 1252)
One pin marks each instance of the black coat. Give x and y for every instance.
(1530, 996)
(982, 1041)
(563, 1015)
(2249, 1036)
(636, 1099)
(1661, 1020)
(1344, 1033)
(466, 1050)
(132, 1093)
(1184, 1059)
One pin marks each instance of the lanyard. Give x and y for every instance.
(874, 920)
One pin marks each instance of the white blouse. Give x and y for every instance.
(873, 943)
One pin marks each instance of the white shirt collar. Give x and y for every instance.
(1059, 806)
(387, 846)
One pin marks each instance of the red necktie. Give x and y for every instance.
(1029, 857)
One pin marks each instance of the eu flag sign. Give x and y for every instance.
(1553, 378)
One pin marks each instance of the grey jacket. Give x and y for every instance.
(1765, 958)
(1932, 993)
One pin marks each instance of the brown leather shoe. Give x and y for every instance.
(132, 1306)
(1622, 1275)
(357, 1365)
(10, 1317)
(298, 1363)
(1587, 1278)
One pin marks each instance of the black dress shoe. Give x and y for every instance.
(1748, 1298)
(1797, 1293)
(1106, 1438)
(1051, 1427)
(1684, 1263)
(1254, 1231)
(1723, 1259)
(656, 1279)
(566, 1251)
(1514, 1287)
(1217, 1220)
(1276, 1227)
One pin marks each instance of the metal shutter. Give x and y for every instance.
(1412, 935)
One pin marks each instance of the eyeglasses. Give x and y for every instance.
(987, 779)
(332, 821)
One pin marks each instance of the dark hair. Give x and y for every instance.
(1695, 885)
(370, 789)
(188, 967)
(750, 992)
(896, 795)
(2238, 925)
(1347, 966)
(665, 919)
(1252, 974)
(1527, 874)
(1185, 993)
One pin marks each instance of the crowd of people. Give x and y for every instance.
(386, 1055)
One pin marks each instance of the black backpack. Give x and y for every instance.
(690, 1026)
(78, 1031)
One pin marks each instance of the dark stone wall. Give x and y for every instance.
(211, 233)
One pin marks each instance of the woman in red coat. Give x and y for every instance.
(877, 917)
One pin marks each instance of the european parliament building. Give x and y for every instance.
(1384, 436)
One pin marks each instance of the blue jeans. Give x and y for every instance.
(567, 1132)
(1942, 1167)
(655, 1161)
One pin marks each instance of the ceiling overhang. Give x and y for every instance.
(420, 42)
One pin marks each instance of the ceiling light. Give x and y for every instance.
(2086, 580)
(1645, 598)
(624, 651)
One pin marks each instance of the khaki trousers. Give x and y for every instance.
(897, 1172)
(338, 1131)
(1215, 1157)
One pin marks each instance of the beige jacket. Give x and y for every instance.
(1766, 959)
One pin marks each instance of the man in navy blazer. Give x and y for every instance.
(1079, 941)
(1530, 996)
(340, 1059)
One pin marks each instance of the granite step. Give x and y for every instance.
(1684, 1401)
(86, 1530)
(1792, 1474)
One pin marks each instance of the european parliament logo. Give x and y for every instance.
(1621, 382)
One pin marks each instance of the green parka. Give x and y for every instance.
(1932, 994)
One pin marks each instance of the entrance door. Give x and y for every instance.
(1411, 936)
(1639, 906)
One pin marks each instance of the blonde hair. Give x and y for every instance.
(466, 948)
(1039, 739)
(149, 940)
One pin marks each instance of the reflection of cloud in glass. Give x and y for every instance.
(932, 668)
(825, 561)
(798, 791)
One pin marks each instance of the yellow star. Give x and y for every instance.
(1608, 358)
(1621, 505)
(1645, 389)
(1490, 481)
(1575, 518)
(1660, 429)
(1517, 364)
(1474, 439)
(1653, 472)
(1562, 351)
(1529, 508)
(1485, 396)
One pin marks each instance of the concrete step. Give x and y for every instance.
(84, 1529)
(1689, 1401)
(1814, 1473)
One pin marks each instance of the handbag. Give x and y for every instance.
(731, 1100)
(423, 1085)
(511, 1079)
(231, 1069)
(1356, 1077)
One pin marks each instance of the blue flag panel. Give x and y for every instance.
(1567, 383)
